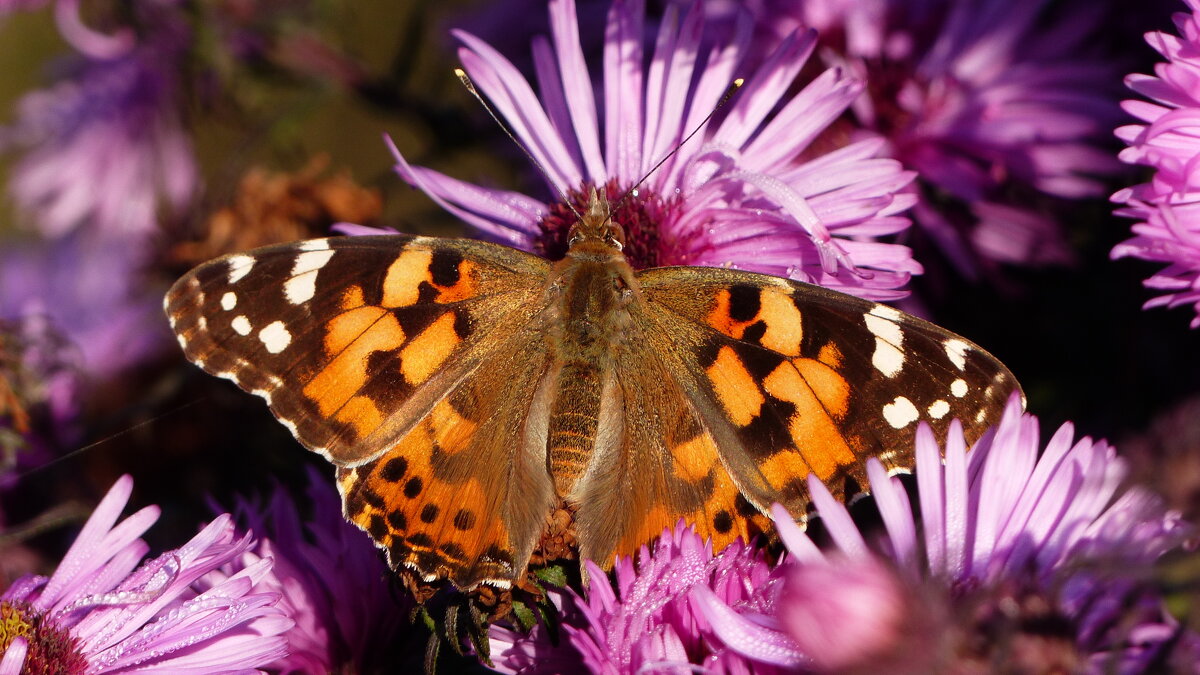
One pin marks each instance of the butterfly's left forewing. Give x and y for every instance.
(793, 379)
(348, 337)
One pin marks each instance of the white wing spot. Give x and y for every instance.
(315, 245)
(884, 328)
(956, 351)
(182, 340)
(239, 266)
(241, 325)
(310, 261)
(900, 413)
(938, 409)
(882, 322)
(884, 312)
(202, 323)
(227, 375)
(263, 393)
(980, 415)
(958, 388)
(887, 359)
(275, 337)
(228, 301)
(303, 284)
(300, 289)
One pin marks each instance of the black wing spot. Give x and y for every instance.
(744, 302)
(413, 487)
(464, 519)
(429, 513)
(397, 520)
(394, 469)
(444, 266)
(743, 507)
(722, 522)
(378, 528)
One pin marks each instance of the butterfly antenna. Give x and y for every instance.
(462, 77)
(79, 451)
(729, 92)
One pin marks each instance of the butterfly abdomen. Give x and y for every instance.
(574, 420)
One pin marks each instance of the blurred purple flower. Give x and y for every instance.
(9, 6)
(74, 30)
(738, 195)
(98, 614)
(41, 384)
(848, 626)
(1168, 207)
(1056, 521)
(91, 290)
(104, 149)
(331, 581)
(996, 104)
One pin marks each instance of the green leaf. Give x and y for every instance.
(555, 576)
(526, 619)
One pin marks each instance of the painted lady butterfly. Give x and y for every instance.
(464, 389)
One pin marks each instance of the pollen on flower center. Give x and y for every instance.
(51, 649)
(642, 214)
(12, 624)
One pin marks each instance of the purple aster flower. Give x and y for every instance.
(1168, 207)
(859, 622)
(1008, 523)
(101, 612)
(104, 149)
(653, 620)
(749, 191)
(996, 104)
(332, 582)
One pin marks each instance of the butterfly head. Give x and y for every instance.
(595, 227)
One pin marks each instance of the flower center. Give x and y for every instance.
(51, 649)
(642, 215)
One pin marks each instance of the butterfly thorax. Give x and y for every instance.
(590, 292)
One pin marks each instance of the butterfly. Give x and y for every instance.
(465, 389)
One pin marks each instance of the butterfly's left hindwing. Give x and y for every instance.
(792, 378)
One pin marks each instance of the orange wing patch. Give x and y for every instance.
(767, 316)
(421, 357)
(724, 514)
(418, 271)
(735, 387)
(350, 341)
(442, 529)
